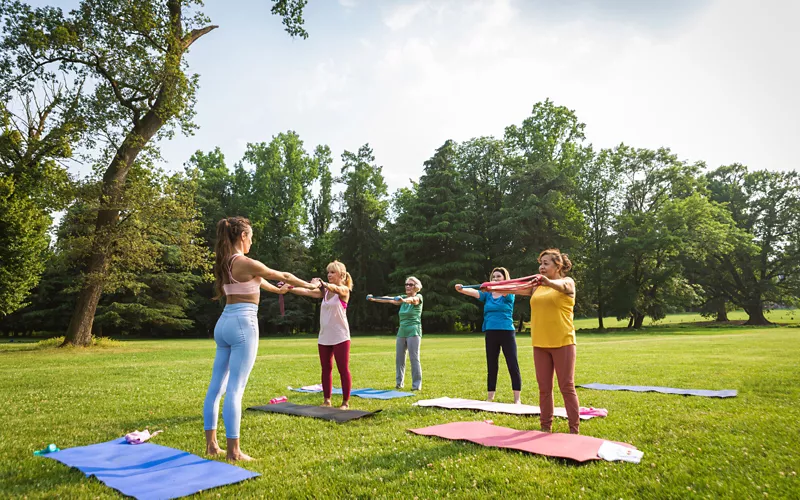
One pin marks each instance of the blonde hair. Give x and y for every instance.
(501, 270)
(341, 269)
(561, 260)
(417, 283)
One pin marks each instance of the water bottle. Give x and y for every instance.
(281, 399)
(49, 449)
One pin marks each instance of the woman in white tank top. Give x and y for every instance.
(334, 330)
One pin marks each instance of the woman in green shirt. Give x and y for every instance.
(409, 335)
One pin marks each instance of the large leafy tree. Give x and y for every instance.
(598, 195)
(540, 208)
(646, 262)
(483, 168)
(132, 53)
(281, 180)
(37, 130)
(157, 264)
(434, 239)
(362, 218)
(320, 222)
(763, 267)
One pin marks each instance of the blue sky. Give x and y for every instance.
(715, 80)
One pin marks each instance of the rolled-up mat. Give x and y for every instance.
(571, 446)
(323, 412)
(727, 393)
(512, 409)
(149, 471)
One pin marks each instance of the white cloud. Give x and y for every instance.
(402, 15)
(347, 4)
(720, 86)
(326, 88)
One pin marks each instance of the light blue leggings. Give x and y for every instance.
(236, 335)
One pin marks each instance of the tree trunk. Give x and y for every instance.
(638, 320)
(756, 315)
(722, 313)
(600, 313)
(630, 321)
(79, 332)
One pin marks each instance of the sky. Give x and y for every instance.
(714, 80)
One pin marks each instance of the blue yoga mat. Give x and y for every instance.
(149, 471)
(365, 393)
(664, 390)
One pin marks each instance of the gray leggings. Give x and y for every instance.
(412, 345)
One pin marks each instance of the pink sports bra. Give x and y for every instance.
(236, 288)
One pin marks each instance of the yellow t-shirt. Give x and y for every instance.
(551, 318)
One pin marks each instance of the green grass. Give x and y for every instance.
(743, 447)
(781, 316)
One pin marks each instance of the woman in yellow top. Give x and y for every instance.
(553, 335)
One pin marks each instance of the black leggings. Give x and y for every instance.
(507, 340)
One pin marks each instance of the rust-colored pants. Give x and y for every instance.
(561, 361)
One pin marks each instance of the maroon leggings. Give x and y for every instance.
(342, 354)
(560, 361)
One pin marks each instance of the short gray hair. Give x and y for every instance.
(417, 283)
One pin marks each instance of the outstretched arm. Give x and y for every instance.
(415, 300)
(340, 290)
(266, 285)
(470, 292)
(396, 300)
(256, 268)
(563, 285)
(303, 292)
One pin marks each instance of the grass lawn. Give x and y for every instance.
(743, 447)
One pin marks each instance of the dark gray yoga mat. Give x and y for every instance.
(664, 390)
(325, 413)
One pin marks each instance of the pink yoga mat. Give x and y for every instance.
(572, 446)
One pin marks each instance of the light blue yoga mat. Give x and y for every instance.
(363, 393)
(149, 471)
(729, 393)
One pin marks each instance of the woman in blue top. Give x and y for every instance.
(498, 325)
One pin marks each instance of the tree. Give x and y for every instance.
(482, 164)
(649, 239)
(320, 222)
(598, 194)
(133, 53)
(361, 222)
(763, 265)
(281, 181)
(158, 258)
(434, 240)
(539, 208)
(33, 139)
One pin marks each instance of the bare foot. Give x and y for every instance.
(327, 403)
(345, 406)
(214, 450)
(518, 402)
(239, 457)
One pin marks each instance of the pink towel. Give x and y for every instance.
(139, 437)
(593, 412)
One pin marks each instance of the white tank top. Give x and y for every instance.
(333, 326)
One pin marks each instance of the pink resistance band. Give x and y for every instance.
(510, 285)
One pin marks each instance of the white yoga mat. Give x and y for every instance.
(473, 404)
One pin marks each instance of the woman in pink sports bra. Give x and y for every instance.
(334, 330)
(240, 280)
